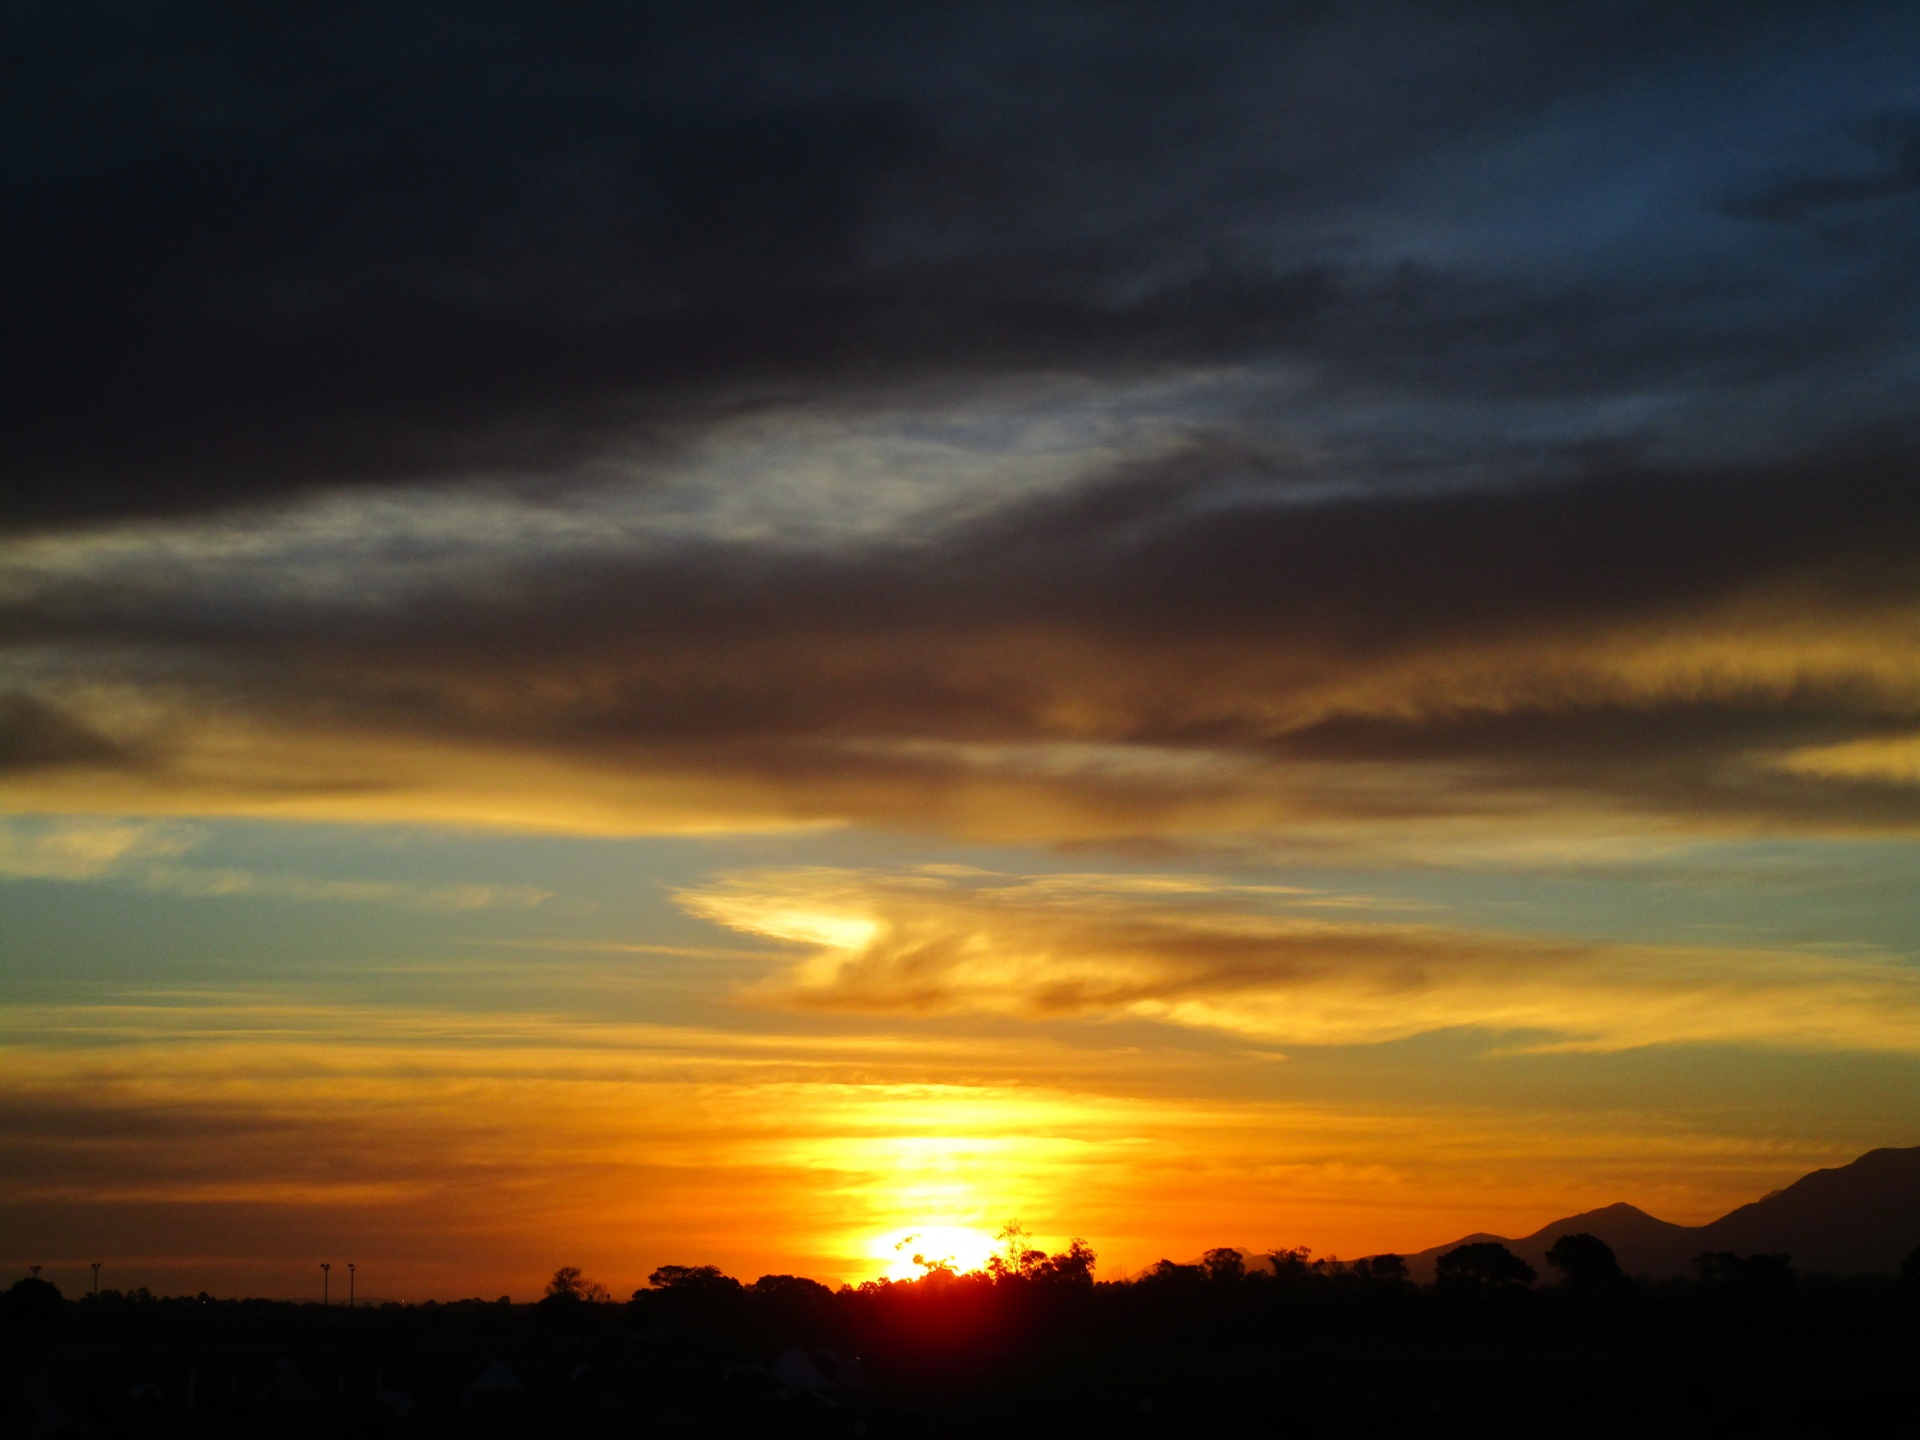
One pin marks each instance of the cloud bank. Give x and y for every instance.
(264, 253)
(1144, 654)
(1030, 422)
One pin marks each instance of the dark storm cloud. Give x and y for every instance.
(1538, 465)
(257, 251)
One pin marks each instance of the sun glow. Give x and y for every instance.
(909, 1254)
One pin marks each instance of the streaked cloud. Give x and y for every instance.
(1439, 483)
(1267, 963)
(224, 1138)
(1135, 657)
(86, 849)
(959, 456)
(146, 854)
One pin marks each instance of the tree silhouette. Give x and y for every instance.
(795, 1286)
(1385, 1269)
(1020, 1259)
(1586, 1264)
(1074, 1265)
(1485, 1267)
(569, 1287)
(1224, 1264)
(1292, 1264)
(695, 1279)
(1170, 1272)
(1018, 1255)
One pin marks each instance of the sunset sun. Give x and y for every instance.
(909, 1254)
(710, 651)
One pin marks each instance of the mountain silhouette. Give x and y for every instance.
(1858, 1219)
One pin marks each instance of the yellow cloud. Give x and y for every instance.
(84, 848)
(1025, 731)
(1894, 760)
(1194, 952)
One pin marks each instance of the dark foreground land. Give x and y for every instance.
(1277, 1346)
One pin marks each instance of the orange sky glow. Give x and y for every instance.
(630, 639)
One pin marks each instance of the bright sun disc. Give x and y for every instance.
(959, 1246)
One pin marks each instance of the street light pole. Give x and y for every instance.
(326, 1280)
(350, 1268)
(96, 1277)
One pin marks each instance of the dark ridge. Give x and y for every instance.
(1857, 1219)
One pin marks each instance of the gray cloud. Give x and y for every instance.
(760, 407)
(265, 253)
(1660, 638)
(34, 734)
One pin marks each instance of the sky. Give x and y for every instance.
(778, 636)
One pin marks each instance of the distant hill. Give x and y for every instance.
(1859, 1219)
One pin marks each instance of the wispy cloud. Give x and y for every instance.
(1401, 436)
(146, 854)
(1149, 653)
(1195, 952)
(78, 850)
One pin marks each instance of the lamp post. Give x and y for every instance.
(326, 1280)
(96, 1277)
(350, 1268)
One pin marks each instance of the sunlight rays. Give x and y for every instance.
(452, 1147)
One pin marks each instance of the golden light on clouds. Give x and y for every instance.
(962, 668)
(1892, 759)
(1028, 732)
(1281, 965)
